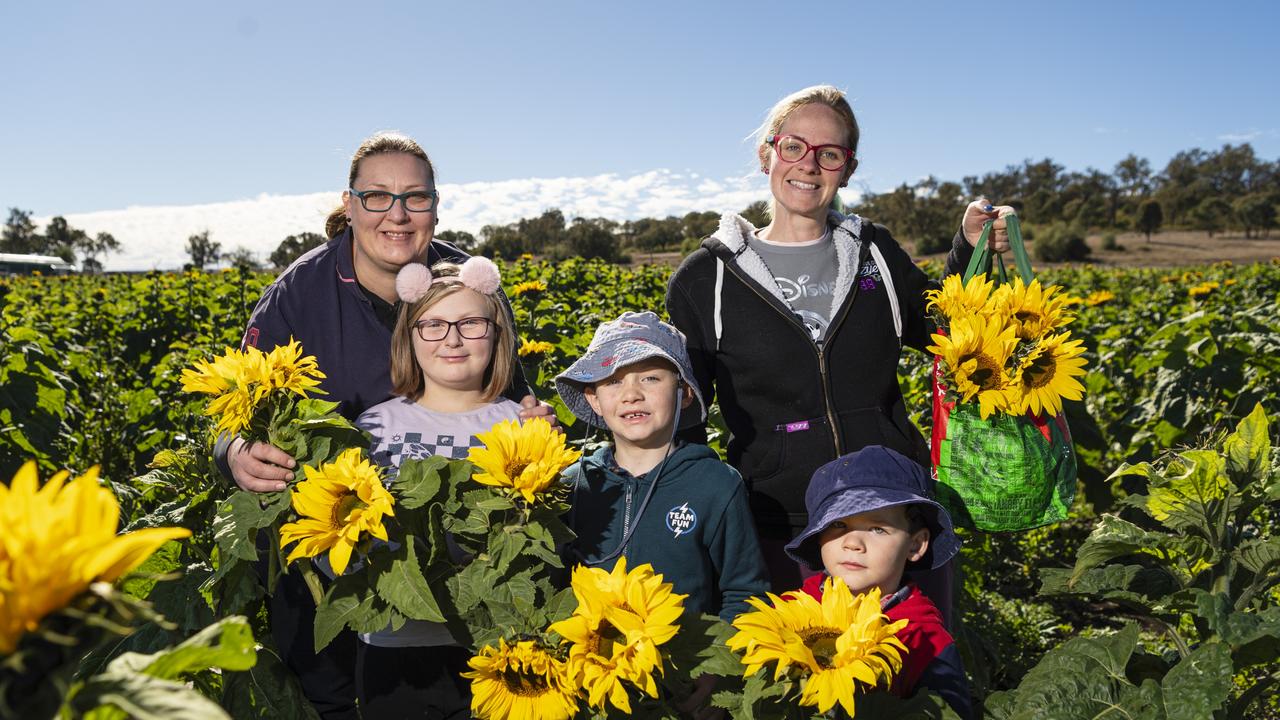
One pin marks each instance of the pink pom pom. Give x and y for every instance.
(481, 275)
(412, 282)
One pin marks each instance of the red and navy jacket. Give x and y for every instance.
(932, 660)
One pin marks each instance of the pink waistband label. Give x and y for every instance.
(797, 426)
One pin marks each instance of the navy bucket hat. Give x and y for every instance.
(869, 479)
(633, 337)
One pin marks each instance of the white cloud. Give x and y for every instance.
(1241, 137)
(155, 237)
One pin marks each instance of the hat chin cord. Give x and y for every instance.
(644, 504)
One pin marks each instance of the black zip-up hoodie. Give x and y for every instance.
(790, 403)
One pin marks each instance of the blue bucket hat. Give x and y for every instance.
(633, 337)
(869, 479)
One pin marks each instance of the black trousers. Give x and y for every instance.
(412, 682)
(328, 678)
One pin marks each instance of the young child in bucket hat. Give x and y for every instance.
(872, 518)
(648, 497)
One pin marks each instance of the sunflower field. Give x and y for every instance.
(1159, 597)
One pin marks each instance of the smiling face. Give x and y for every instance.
(802, 187)
(454, 364)
(638, 403)
(387, 241)
(871, 549)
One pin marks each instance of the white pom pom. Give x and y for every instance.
(481, 275)
(412, 282)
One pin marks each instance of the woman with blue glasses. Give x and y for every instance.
(796, 327)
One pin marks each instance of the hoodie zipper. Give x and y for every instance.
(837, 442)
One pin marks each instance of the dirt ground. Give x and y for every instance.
(1167, 249)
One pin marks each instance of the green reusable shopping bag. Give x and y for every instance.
(1005, 472)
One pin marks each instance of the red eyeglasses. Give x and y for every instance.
(792, 149)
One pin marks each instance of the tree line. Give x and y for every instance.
(1230, 189)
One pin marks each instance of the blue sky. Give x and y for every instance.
(113, 105)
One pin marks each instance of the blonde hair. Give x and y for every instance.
(828, 95)
(383, 143)
(406, 375)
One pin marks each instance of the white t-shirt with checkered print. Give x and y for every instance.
(404, 430)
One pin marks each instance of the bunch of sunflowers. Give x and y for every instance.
(1006, 347)
(244, 382)
(610, 650)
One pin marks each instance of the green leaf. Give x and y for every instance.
(334, 614)
(1248, 449)
(1112, 538)
(418, 481)
(266, 691)
(1259, 555)
(1193, 493)
(403, 585)
(1198, 685)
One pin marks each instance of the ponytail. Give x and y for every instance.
(336, 223)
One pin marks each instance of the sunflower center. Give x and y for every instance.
(515, 467)
(821, 641)
(1040, 372)
(988, 374)
(602, 642)
(344, 506)
(524, 684)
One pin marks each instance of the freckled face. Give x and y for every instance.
(871, 549)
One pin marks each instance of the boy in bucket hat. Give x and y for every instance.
(871, 518)
(648, 497)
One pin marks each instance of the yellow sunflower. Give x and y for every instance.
(239, 380)
(523, 460)
(975, 355)
(1036, 310)
(288, 370)
(837, 646)
(1203, 289)
(959, 299)
(614, 635)
(522, 681)
(531, 286)
(1099, 297)
(341, 504)
(1048, 375)
(58, 539)
(538, 348)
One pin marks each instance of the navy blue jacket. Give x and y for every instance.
(696, 530)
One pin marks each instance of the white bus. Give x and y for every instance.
(11, 264)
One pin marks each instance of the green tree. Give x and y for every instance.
(1255, 212)
(757, 213)
(202, 250)
(242, 258)
(1150, 217)
(63, 240)
(20, 234)
(697, 225)
(294, 247)
(94, 247)
(1210, 215)
(592, 239)
(460, 239)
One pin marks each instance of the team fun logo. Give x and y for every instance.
(681, 519)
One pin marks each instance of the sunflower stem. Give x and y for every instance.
(313, 582)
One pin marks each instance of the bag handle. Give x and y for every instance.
(983, 257)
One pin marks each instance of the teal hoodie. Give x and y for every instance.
(696, 531)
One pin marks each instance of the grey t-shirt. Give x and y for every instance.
(404, 430)
(806, 274)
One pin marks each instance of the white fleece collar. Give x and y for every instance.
(846, 235)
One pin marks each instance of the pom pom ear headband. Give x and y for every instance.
(477, 273)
